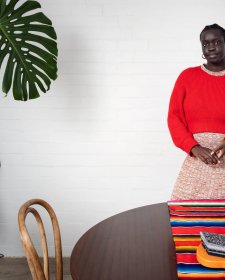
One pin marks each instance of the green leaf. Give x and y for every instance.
(28, 46)
(7, 81)
(2, 7)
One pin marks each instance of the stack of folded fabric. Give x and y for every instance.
(188, 218)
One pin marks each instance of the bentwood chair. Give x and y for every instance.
(38, 271)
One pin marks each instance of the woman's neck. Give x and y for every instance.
(215, 67)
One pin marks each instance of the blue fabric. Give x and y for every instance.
(197, 268)
(197, 223)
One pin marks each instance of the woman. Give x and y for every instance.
(196, 121)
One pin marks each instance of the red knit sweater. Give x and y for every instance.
(197, 104)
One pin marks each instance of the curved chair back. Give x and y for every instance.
(38, 271)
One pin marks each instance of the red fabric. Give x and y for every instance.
(186, 258)
(196, 230)
(196, 105)
(201, 277)
(187, 243)
(198, 214)
(194, 208)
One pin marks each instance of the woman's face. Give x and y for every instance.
(213, 46)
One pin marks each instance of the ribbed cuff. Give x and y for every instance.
(188, 144)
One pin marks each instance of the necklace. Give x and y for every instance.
(213, 73)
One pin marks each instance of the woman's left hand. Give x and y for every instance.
(220, 149)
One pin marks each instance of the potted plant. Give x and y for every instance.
(28, 49)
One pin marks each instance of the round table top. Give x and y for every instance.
(135, 245)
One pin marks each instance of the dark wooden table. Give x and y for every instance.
(133, 245)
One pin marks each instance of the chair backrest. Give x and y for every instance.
(38, 271)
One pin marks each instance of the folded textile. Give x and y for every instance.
(188, 218)
(197, 213)
(196, 208)
(185, 223)
(196, 230)
(197, 268)
(197, 276)
(187, 258)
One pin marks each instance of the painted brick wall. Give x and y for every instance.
(97, 143)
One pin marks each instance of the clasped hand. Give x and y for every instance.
(209, 156)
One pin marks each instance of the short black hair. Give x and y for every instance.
(213, 26)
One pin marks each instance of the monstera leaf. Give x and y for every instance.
(28, 49)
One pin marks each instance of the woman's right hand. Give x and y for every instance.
(206, 155)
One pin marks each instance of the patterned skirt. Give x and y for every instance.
(198, 180)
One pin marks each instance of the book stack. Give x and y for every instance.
(213, 243)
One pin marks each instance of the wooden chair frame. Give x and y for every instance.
(38, 271)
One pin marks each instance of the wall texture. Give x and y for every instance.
(97, 143)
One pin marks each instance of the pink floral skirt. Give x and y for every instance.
(198, 180)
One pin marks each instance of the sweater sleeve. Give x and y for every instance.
(177, 124)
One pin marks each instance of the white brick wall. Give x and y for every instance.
(97, 143)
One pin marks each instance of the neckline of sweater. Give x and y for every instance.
(213, 73)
